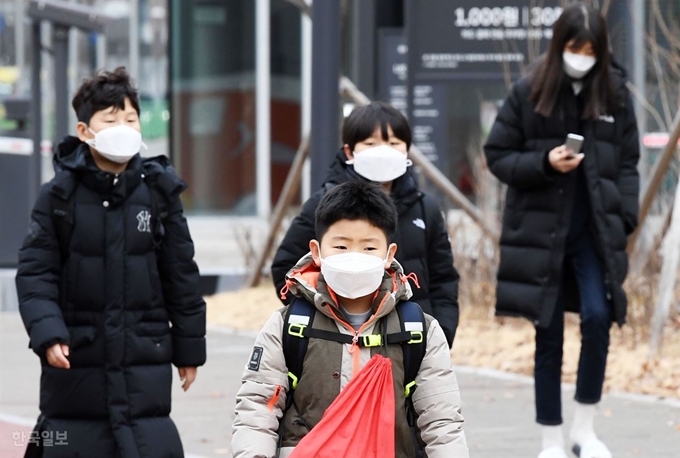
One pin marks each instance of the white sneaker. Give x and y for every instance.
(553, 452)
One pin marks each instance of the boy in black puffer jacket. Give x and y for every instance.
(376, 140)
(106, 267)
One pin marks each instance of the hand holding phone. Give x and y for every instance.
(574, 144)
(567, 157)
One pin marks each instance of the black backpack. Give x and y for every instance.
(63, 212)
(298, 331)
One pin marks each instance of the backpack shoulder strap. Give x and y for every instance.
(160, 209)
(429, 214)
(63, 208)
(159, 202)
(412, 321)
(299, 317)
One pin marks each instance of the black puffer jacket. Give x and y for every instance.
(112, 300)
(539, 201)
(422, 239)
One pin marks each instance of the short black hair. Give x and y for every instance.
(364, 120)
(357, 200)
(104, 90)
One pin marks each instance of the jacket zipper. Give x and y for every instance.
(354, 349)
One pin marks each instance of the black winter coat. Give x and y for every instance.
(539, 200)
(112, 300)
(422, 240)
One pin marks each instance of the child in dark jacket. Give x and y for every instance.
(106, 267)
(376, 140)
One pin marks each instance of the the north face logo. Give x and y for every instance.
(144, 219)
(419, 223)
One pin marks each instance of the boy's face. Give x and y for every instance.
(109, 117)
(353, 236)
(376, 140)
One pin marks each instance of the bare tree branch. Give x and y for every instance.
(673, 59)
(663, 93)
(668, 34)
(650, 109)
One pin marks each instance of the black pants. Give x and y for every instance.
(596, 319)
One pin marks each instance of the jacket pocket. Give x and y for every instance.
(81, 336)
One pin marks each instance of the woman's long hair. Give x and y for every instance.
(582, 24)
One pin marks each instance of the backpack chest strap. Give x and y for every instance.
(372, 340)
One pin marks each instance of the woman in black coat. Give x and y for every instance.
(567, 213)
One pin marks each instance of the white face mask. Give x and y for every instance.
(118, 144)
(353, 275)
(380, 163)
(576, 65)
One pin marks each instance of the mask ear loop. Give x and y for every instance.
(409, 162)
(91, 141)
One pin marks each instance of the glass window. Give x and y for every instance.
(213, 101)
(213, 104)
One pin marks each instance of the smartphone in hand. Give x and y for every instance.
(574, 143)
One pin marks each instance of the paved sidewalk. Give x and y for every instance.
(499, 409)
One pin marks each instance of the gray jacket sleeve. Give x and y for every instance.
(254, 432)
(437, 400)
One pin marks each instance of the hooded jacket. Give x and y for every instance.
(422, 238)
(436, 400)
(112, 300)
(539, 201)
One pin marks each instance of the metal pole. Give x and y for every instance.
(325, 99)
(20, 45)
(363, 45)
(638, 63)
(306, 99)
(60, 48)
(133, 67)
(36, 109)
(263, 108)
(72, 71)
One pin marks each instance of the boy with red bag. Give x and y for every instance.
(333, 374)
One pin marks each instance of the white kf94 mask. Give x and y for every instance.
(353, 275)
(576, 65)
(380, 164)
(118, 143)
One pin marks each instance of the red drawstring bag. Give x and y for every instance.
(360, 422)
